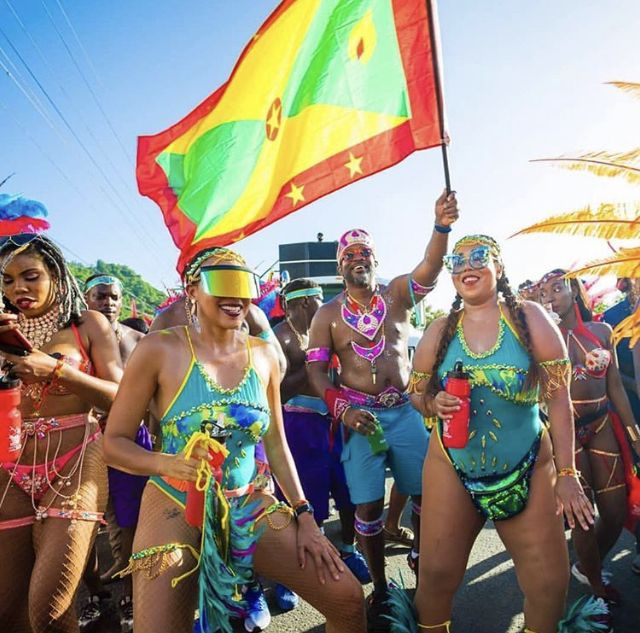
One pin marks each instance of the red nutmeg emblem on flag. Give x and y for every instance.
(362, 39)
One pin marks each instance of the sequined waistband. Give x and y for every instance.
(42, 426)
(390, 397)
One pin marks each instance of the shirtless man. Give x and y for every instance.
(367, 326)
(103, 293)
(307, 427)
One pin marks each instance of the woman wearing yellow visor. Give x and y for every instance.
(212, 375)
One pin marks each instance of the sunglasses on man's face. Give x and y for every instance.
(362, 253)
(478, 257)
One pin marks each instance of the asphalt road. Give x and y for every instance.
(489, 600)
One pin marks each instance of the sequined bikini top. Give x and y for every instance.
(596, 360)
(35, 391)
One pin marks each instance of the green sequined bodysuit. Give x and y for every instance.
(243, 410)
(504, 428)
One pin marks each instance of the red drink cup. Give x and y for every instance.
(10, 420)
(455, 432)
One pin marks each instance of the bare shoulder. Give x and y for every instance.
(327, 311)
(257, 320)
(93, 323)
(534, 312)
(262, 349)
(602, 330)
(172, 316)
(132, 334)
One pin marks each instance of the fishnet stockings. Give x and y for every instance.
(62, 549)
(44, 600)
(157, 606)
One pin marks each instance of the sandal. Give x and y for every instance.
(404, 536)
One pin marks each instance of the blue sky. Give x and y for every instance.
(522, 80)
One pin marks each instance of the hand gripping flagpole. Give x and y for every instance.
(435, 52)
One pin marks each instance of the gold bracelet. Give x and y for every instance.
(57, 371)
(569, 472)
(634, 432)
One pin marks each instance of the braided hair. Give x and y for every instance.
(69, 297)
(516, 311)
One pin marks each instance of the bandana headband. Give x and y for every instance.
(304, 292)
(354, 237)
(552, 274)
(485, 240)
(107, 280)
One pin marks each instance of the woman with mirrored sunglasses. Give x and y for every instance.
(53, 495)
(600, 405)
(213, 372)
(506, 471)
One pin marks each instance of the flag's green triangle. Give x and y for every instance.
(324, 73)
(215, 171)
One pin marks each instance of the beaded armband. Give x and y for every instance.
(557, 375)
(419, 289)
(415, 378)
(318, 355)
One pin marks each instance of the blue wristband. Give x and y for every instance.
(442, 229)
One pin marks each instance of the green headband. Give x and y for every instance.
(304, 292)
(107, 280)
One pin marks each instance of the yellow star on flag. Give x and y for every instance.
(354, 165)
(295, 194)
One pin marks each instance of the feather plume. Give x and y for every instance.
(628, 328)
(403, 617)
(608, 221)
(604, 164)
(587, 615)
(625, 263)
(627, 86)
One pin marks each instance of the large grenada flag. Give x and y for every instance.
(326, 92)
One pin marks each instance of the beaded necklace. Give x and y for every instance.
(41, 329)
(367, 321)
(303, 345)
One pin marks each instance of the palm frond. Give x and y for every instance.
(608, 221)
(628, 328)
(627, 86)
(602, 163)
(625, 263)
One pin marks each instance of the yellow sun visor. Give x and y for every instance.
(230, 280)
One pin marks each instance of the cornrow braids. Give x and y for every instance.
(69, 297)
(516, 311)
(433, 386)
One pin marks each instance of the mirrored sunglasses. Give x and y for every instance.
(478, 257)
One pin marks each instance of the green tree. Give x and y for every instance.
(429, 314)
(147, 297)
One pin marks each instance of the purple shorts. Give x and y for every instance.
(319, 468)
(126, 490)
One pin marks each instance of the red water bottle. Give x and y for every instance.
(455, 432)
(194, 506)
(10, 420)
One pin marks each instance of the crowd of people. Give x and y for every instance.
(211, 446)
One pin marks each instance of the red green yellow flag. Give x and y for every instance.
(325, 93)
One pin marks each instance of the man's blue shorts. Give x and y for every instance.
(408, 441)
